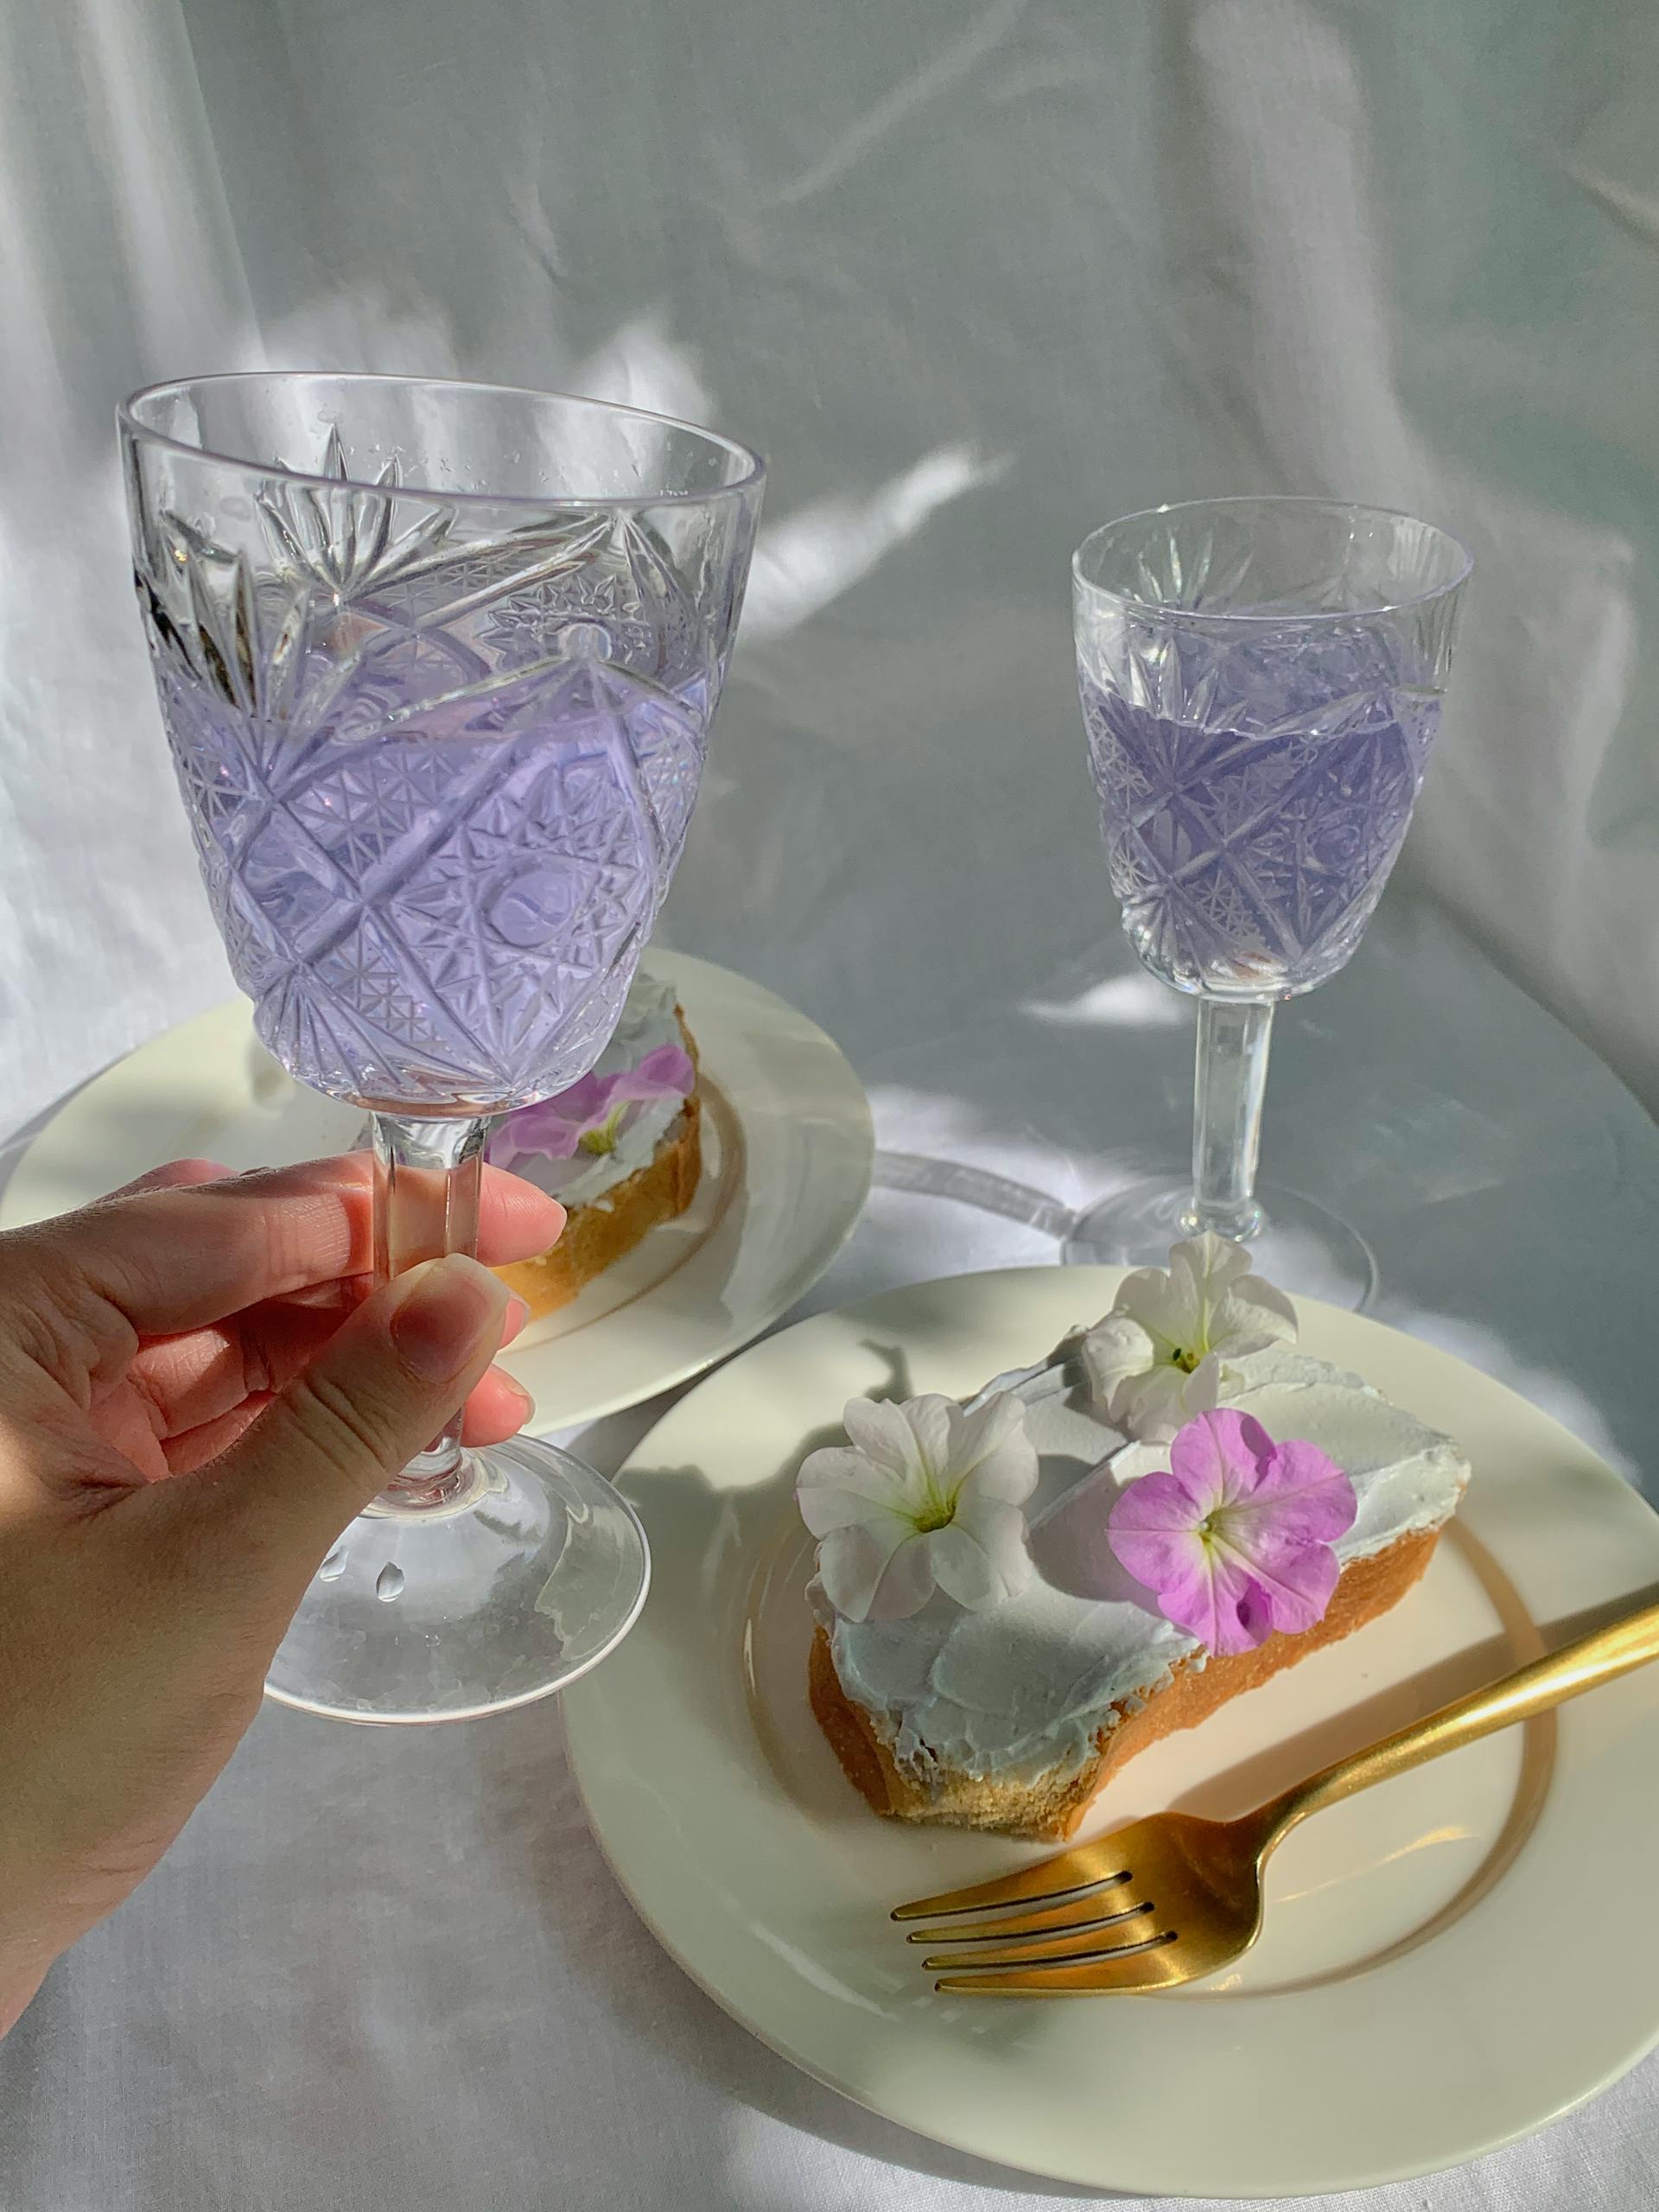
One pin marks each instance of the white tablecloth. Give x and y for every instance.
(389, 1971)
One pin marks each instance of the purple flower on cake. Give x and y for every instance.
(924, 1493)
(1235, 1540)
(1160, 1355)
(588, 1116)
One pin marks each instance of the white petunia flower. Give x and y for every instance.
(1161, 1356)
(923, 1493)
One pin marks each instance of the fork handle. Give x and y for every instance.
(1580, 1666)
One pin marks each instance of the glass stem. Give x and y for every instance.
(427, 1179)
(1229, 1081)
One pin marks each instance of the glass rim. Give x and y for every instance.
(753, 475)
(1242, 618)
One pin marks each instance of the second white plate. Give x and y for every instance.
(787, 1147)
(1449, 1959)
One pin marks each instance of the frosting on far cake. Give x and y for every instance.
(1026, 1685)
(649, 1019)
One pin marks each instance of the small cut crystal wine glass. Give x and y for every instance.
(1261, 682)
(436, 663)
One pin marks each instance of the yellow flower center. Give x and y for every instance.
(937, 1508)
(1186, 1361)
(603, 1139)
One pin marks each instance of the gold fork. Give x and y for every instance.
(1173, 1898)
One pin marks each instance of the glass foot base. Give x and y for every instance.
(469, 1610)
(1301, 1246)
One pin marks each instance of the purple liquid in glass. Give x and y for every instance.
(1249, 836)
(436, 867)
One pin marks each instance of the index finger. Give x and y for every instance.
(175, 1258)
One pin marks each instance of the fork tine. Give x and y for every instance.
(1102, 1907)
(1137, 1974)
(1061, 1949)
(1049, 1880)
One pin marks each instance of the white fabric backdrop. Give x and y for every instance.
(975, 277)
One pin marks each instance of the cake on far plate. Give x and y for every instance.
(1017, 1593)
(621, 1149)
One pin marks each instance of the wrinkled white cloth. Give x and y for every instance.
(975, 279)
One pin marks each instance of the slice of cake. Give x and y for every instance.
(621, 1149)
(984, 1657)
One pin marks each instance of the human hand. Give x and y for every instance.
(195, 1398)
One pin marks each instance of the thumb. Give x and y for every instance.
(378, 1393)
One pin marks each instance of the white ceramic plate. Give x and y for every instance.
(787, 1146)
(1449, 1960)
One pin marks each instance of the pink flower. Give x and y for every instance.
(589, 1116)
(1235, 1540)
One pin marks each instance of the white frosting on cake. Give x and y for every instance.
(1028, 1684)
(649, 1019)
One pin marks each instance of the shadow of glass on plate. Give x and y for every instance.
(972, 1186)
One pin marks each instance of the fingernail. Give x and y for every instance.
(518, 1315)
(451, 1308)
(520, 1393)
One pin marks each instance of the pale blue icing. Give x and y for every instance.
(649, 1018)
(1027, 1685)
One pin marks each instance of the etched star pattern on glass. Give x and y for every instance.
(437, 681)
(1260, 684)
